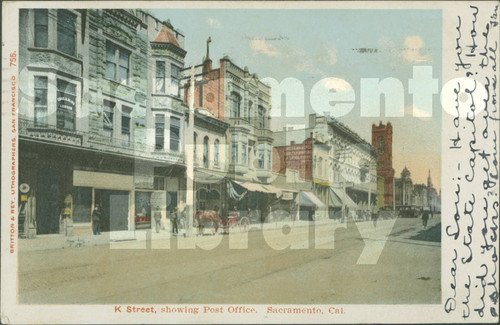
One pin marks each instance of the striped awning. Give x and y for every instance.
(308, 199)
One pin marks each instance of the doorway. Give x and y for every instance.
(114, 209)
(47, 203)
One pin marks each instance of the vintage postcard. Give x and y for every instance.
(249, 162)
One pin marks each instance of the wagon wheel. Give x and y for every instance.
(244, 224)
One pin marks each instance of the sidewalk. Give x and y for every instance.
(57, 241)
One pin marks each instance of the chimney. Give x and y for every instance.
(312, 120)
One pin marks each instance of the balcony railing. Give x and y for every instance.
(50, 133)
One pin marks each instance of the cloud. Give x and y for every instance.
(212, 22)
(260, 46)
(412, 110)
(413, 47)
(340, 85)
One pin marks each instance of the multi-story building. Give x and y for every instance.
(416, 196)
(210, 160)
(382, 142)
(404, 195)
(96, 126)
(303, 166)
(235, 96)
(343, 175)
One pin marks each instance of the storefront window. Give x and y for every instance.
(142, 210)
(82, 204)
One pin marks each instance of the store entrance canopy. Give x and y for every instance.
(345, 199)
(308, 199)
(202, 177)
(334, 200)
(254, 187)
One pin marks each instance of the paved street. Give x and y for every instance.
(407, 272)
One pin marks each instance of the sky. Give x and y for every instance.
(351, 45)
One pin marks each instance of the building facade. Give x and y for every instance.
(404, 189)
(88, 107)
(235, 96)
(382, 142)
(339, 165)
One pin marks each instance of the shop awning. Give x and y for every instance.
(334, 200)
(255, 187)
(345, 199)
(202, 177)
(308, 199)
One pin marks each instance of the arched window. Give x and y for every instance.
(205, 152)
(250, 112)
(260, 117)
(235, 104)
(216, 152)
(195, 139)
(380, 144)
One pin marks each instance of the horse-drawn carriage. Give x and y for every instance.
(230, 223)
(234, 221)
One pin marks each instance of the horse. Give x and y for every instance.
(203, 217)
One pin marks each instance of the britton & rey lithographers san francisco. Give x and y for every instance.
(249, 162)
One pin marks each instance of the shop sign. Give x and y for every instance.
(158, 199)
(144, 181)
(287, 195)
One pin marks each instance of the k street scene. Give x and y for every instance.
(175, 156)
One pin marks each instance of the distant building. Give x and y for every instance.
(416, 196)
(382, 142)
(303, 166)
(404, 189)
(331, 160)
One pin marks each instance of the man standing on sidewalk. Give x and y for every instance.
(96, 220)
(174, 216)
(425, 218)
(157, 217)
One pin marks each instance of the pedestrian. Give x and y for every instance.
(96, 220)
(157, 217)
(425, 218)
(174, 216)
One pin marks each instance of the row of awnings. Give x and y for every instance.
(337, 197)
(263, 188)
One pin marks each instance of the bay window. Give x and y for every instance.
(175, 133)
(66, 105)
(41, 89)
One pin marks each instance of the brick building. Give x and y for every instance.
(382, 142)
(237, 97)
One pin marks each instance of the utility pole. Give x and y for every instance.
(190, 157)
